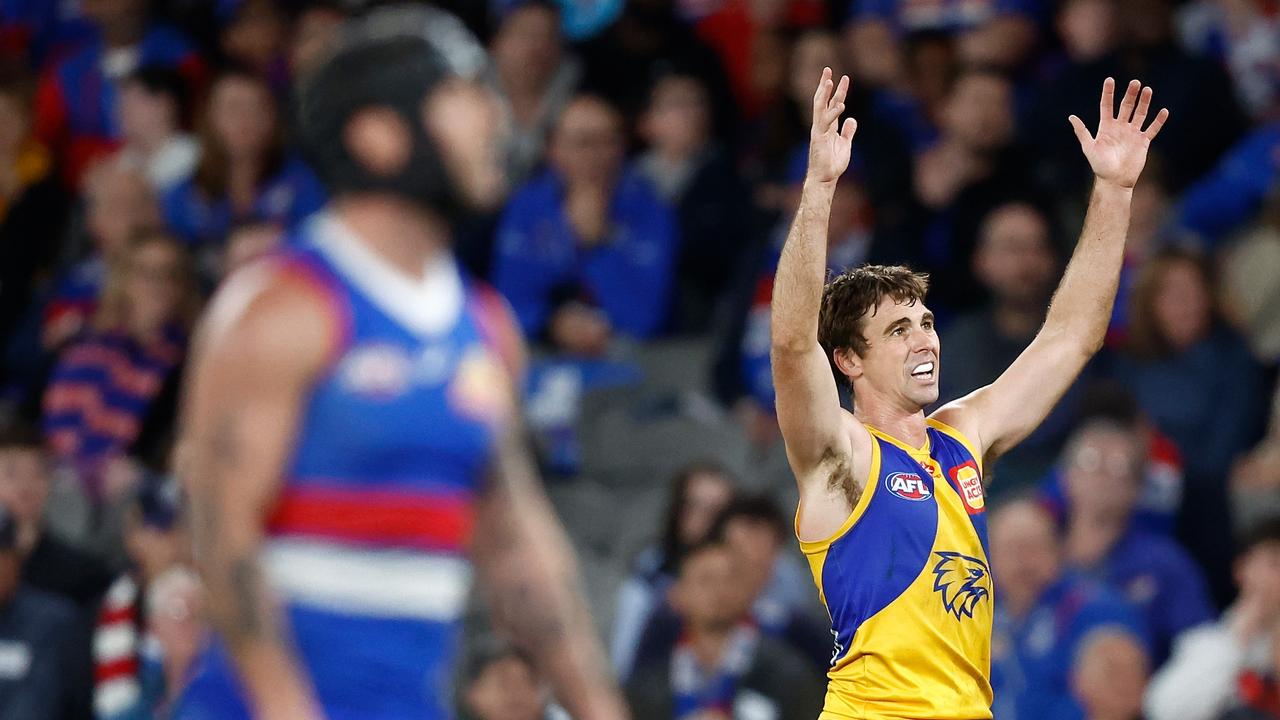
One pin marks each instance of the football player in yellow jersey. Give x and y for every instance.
(891, 513)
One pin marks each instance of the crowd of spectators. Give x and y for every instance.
(654, 151)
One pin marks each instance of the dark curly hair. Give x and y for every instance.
(849, 296)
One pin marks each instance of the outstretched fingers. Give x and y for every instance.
(1107, 105)
(835, 107)
(1129, 101)
(1154, 128)
(850, 127)
(822, 96)
(1082, 132)
(1144, 104)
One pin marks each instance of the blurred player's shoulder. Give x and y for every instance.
(498, 325)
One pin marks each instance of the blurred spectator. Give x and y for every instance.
(1043, 613)
(46, 671)
(254, 35)
(153, 107)
(695, 175)
(247, 242)
(1249, 288)
(973, 168)
(1255, 477)
(647, 40)
(1015, 263)
(49, 562)
(1229, 664)
(1233, 193)
(1086, 29)
(244, 170)
(314, 26)
(700, 492)
(75, 105)
(722, 666)
(1102, 470)
(119, 204)
(32, 31)
(587, 249)
(1110, 675)
(32, 206)
(115, 392)
(1197, 382)
(175, 630)
(1244, 35)
(535, 78)
(156, 542)
(997, 33)
(501, 684)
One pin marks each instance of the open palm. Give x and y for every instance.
(1118, 151)
(829, 143)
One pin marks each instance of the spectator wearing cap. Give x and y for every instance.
(155, 542)
(152, 107)
(500, 683)
(587, 250)
(1016, 265)
(1043, 613)
(1102, 476)
(44, 658)
(1229, 666)
(114, 394)
(722, 665)
(696, 177)
(76, 101)
(49, 562)
(245, 170)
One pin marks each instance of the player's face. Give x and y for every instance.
(901, 362)
(463, 117)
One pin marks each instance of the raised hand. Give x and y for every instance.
(829, 143)
(1119, 150)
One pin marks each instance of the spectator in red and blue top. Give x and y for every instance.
(118, 205)
(1102, 475)
(114, 393)
(244, 170)
(587, 250)
(76, 101)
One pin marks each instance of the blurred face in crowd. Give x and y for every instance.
(526, 50)
(119, 203)
(588, 145)
(314, 29)
(111, 12)
(706, 495)
(1002, 41)
(1087, 28)
(754, 545)
(1014, 258)
(1258, 577)
(1025, 552)
(242, 113)
(15, 123)
(153, 287)
(875, 53)
(1182, 305)
(1145, 23)
(1110, 676)
(176, 615)
(931, 61)
(978, 113)
(813, 51)
(708, 594)
(256, 35)
(24, 489)
(506, 689)
(146, 116)
(678, 121)
(1102, 471)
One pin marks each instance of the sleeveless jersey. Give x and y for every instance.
(907, 584)
(366, 545)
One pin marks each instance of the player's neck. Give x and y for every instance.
(402, 233)
(908, 426)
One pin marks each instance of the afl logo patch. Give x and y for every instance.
(377, 371)
(908, 486)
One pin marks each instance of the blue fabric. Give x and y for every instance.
(1159, 578)
(288, 198)
(1031, 657)
(913, 15)
(47, 27)
(1233, 193)
(628, 275)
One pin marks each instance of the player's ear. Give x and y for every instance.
(848, 362)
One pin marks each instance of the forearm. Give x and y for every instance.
(802, 271)
(1081, 307)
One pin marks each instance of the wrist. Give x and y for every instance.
(1111, 186)
(814, 185)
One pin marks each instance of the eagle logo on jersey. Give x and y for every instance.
(962, 581)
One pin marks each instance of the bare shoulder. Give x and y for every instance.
(964, 416)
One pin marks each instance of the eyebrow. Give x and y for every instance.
(896, 324)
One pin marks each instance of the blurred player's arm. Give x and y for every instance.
(255, 355)
(529, 574)
(813, 424)
(1001, 414)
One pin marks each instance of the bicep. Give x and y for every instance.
(808, 407)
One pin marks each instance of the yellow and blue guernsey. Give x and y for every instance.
(908, 587)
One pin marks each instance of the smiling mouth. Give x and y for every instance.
(924, 371)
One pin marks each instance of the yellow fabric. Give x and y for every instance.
(30, 166)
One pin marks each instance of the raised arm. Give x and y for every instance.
(530, 577)
(1001, 414)
(808, 402)
(253, 361)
